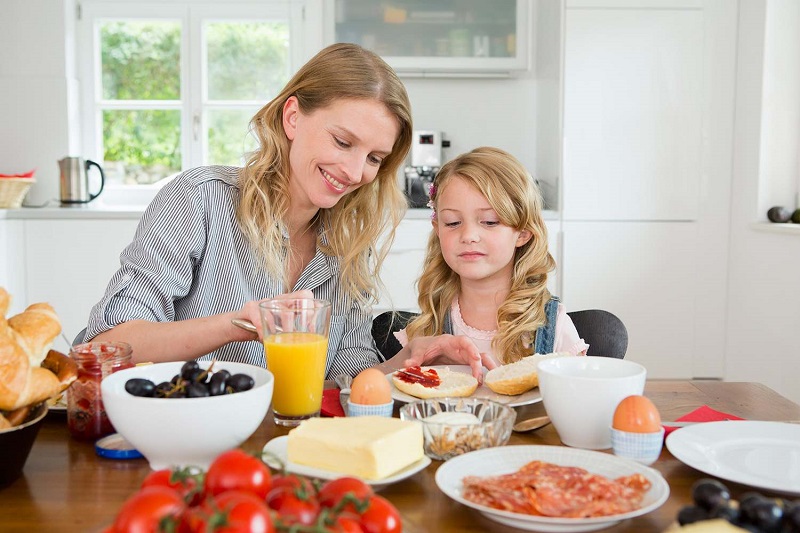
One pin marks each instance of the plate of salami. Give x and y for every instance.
(491, 482)
(528, 397)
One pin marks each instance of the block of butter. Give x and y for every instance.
(369, 447)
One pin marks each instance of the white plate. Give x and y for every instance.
(760, 454)
(508, 459)
(531, 396)
(277, 447)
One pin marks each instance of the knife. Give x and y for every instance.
(343, 381)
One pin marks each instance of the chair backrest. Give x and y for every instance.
(604, 332)
(383, 328)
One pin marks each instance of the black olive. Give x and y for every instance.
(217, 383)
(240, 382)
(196, 390)
(690, 514)
(188, 368)
(791, 519)
(767, 516)
(729, 512)
(710, 493)
(140, 387)
(747, 505)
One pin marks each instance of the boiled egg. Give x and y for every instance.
(637, 414)
(370, 387)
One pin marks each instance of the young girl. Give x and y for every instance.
(484, 280)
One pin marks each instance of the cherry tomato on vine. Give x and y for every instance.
(148, 509)
(347, 523)
(335, 490)
(381, 517)
(238, 470)
(294, 506)
(185, 481)
(293, 481)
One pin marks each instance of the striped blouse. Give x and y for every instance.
(189, 258)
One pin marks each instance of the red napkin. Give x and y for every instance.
(701, 414)
(28, 174)
(330, 403)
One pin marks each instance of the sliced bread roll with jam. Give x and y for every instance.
(426, 382)
(515, 378)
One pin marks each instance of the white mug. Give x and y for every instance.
(580, 395)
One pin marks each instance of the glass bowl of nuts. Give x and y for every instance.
(453, 426)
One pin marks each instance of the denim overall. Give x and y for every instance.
(545, 335)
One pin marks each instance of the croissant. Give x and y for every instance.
(29, 371)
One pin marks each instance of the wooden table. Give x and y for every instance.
(66, 487)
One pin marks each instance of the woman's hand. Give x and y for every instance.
(447, 349)
(251, 312)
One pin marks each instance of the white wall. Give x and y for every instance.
(764, 285)
(38, 91)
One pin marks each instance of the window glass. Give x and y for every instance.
(140, 60)
(228, 137)
(141, 146)
(246, 60)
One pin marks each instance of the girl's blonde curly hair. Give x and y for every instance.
(353, 226)
(515, 197)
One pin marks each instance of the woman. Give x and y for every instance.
(302, 218)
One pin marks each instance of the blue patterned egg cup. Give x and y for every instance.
(381, 409)
(641, 447)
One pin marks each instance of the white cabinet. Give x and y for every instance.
(68, 263)
(648, 122)
(436, 36)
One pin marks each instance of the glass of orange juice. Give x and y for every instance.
(296, 347)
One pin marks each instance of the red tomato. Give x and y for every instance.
(238, 470)
(186, 482)
(234, 511)
(381, 517)
(293, 481)
(294, 506)
(146, 510)
(347, 523)
(352, 490)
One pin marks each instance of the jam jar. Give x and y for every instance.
(86, 416)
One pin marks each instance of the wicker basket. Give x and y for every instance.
(13, 191)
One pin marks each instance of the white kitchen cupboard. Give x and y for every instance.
(648, 121)
(430, 37)
(69, 262)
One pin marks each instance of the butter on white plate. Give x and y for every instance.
(369, 447)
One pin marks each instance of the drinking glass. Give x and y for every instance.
(296, 347)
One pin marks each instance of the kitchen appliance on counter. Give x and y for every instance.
(426, 159)
(74, 180)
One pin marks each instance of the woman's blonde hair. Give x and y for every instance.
(354, 224)
(515, 197)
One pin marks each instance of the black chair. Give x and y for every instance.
(605, 334)
(383, 328)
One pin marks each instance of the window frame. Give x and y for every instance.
(194, 104)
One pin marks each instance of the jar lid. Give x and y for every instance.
(115, 446)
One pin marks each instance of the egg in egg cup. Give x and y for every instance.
(636, 431)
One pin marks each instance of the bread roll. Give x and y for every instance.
(453, 385)
(25, 341)
(515, 378)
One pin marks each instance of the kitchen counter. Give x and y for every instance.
(100, 210)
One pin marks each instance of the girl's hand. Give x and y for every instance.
(448, 349)
(251, 312)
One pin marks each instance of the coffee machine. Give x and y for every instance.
(426, 159)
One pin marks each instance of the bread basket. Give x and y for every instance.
(13, 191)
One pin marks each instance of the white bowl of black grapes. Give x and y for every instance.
(185, 414)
